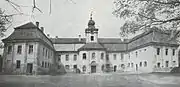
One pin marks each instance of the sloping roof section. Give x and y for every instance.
(83, 40)
(26, 26)
(115, 47)
(92, 46)
(26, 32)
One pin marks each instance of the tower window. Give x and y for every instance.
(92, 38)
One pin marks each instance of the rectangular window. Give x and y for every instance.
(42, 63)
(9, 49)
(19, 50)
(158, 51)
(173, 52)
(67, 57)
(167, 63)
(75, 57)
(122, 57)
(75, 66)
(46, 52)
(18, 63)
(102, 56)
(114, 55)
(166, 52)
(59, 58)
(43, 51)
(92, 38)
(107, 57)
(30, 49)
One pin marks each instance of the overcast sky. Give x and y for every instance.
(68, 19)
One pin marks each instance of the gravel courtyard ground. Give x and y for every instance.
(94, 80)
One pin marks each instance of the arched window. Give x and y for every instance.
(93, 55)
(102, 56)
(84, 55)
(140, 64)
(84, 68)
(145, 64)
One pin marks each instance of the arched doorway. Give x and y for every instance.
(93, 67)
(115, 68)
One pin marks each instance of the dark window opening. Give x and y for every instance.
(166, 51)
(92, 38)
(19, 50)
(67, 57)
(18, 63)
(84, 55)
(173, 53)
(158, 51)
(9, 49)
(30, 49)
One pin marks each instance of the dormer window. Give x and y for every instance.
(92, 38)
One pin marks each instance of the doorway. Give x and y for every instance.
(29, 68)
(93, 69)
(115, 68)
(136, 67)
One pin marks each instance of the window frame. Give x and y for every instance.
(31, 49)
(19, 49)
(18, 64)
(67, 57)
(92, 38)
(9, 49)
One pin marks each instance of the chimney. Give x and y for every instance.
(37, 24)
(56, 37)
(79, 38)
(48, 35)
(42, 29)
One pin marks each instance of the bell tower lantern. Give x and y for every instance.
(91, 32)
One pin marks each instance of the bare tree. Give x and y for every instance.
(145, 14)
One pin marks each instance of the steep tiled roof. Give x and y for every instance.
(92, 46)
(83, 40)
(27, 26)
(151, 37)
(26, 32)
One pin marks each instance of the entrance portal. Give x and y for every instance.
(115, 67)
(93, 69)
(29, 68)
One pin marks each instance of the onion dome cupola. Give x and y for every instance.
(91, 32)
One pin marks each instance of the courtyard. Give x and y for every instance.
(93, 80)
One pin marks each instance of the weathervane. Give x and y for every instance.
(91, 15)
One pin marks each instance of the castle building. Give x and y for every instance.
(29, 50)
(150, 51)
